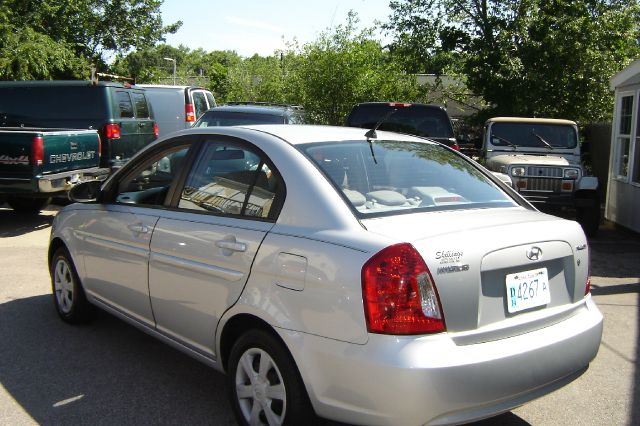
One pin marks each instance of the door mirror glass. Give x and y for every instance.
(85, 192)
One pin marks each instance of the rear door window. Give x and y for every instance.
(231, 179)
(125, 106)
(210, 99)
(140, 102)
(199, 103)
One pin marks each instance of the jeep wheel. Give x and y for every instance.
(588, 215)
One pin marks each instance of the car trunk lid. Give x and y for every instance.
(471, 254)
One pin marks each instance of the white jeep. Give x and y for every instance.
(542, 158)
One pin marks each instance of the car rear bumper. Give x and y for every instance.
(61, 182)
(430, 380)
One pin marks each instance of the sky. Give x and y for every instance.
(254, 26)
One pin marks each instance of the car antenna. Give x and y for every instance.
(372, 134)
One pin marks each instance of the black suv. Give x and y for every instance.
(430, 121)
(120, 113)
(241, 113)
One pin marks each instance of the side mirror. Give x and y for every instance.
(86, 192)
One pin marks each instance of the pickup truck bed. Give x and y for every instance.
(36, 164)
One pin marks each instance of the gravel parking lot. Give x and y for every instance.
(108, 372)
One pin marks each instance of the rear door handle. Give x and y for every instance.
(139, 228)
(230, 245)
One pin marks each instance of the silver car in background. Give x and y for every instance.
(379, 280)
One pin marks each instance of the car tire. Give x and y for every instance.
(68, 295)
(588, 215)
(265, 386)
(30, 206)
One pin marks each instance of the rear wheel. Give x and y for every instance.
(25, 205)
(264, 384)
(68, 296)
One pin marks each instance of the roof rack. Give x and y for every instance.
(296, 107)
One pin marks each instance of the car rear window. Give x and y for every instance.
(228, 118)
(387, 177)
(421, 120)
(125, 107)
(140, 102)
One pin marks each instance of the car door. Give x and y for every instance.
(116, 237)
(201, 255)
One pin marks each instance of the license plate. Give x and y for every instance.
(527, 289)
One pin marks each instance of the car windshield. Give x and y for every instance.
(420, 120)
(534, 135)
(386, 177)
(230, 118)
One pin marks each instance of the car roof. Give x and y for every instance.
(530, 120)
(403, 104)
(63, 83)
(256, 109)
(304, 134)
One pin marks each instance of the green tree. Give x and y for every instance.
(92, 30)
(527, 57)
(340, 69)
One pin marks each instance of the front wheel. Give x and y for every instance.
(264, 384)
(30, 206)
(68, 296)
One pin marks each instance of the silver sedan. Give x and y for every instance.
(377, 279)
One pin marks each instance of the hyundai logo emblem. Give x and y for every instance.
(534, 253)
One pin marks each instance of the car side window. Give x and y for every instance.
(200, 103)
(124, 104)
(140, 102)
(231, 179)
(150, 183)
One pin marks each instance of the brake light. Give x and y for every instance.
(156, 131)
(399, 294)
(37, 151)
(189, 113)
(112, 131)
(455, 147)
(399, 104)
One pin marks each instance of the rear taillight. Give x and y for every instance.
(399, 294)
(189, 113)
(156, 131)
(456, 147)
(37, 151)
(112, 131)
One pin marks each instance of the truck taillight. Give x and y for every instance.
(112, 131)
(399, 294)
(189, 113)
(37, 151)
(99, 146)
(156, 130)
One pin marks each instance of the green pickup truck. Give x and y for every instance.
(37, 164)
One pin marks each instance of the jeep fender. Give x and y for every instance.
(588, 183)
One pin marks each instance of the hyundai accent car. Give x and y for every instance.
(375, 280)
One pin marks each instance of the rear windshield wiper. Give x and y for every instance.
(541, 139)
(507, 141)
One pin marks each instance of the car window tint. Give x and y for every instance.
(125, 106)
(140, 102)
(200, 103)
(210, 100)
(395, 177)
(230, 118)
(150, 184)
(232, 180)
(421, 120)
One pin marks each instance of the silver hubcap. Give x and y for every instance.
(63, 284)
(260, 389)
